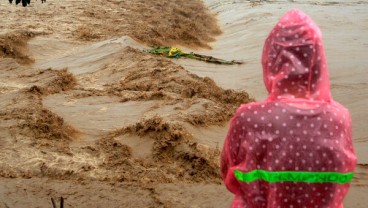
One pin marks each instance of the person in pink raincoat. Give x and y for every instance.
(294, 149)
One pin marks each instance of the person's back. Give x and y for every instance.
(294, 149)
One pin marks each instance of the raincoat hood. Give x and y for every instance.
(293, 60)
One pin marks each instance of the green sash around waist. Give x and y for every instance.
(294, 176)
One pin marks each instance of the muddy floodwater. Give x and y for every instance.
(87, 114)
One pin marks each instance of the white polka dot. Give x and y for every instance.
(255, 125)
(277, 146)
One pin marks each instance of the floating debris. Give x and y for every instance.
(172, 52)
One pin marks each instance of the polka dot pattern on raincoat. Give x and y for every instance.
(297, 128)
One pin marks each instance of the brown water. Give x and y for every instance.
(138, 129)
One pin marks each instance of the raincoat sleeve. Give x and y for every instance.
(229, 155)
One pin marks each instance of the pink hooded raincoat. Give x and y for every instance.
(297, 128)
